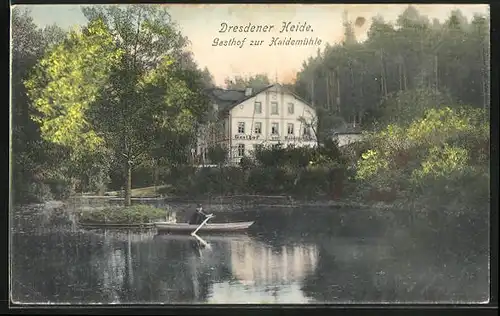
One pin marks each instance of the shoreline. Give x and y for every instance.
(220, 204)
(250, 200)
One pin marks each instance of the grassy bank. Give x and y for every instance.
(135, 214)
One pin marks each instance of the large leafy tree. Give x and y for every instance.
(119, 86)
(63, 87)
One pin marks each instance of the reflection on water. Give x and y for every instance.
(254, 263)
(55, 261)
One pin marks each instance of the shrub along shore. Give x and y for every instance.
(131, 215)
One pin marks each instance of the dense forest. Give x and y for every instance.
(353, 79)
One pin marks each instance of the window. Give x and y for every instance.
(258, 128)
(274, 108)
(257, 147)
(275, 129)
(241, 127)
(241, 150)
(290, 108)
(257, 107)
(290, 129)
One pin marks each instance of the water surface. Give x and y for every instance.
(289, 256)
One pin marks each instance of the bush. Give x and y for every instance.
(61, 189)
(438, 160)
(33, 192)
(181, 178)
(268, 180)
(135, 214)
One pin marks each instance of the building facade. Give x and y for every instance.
(244, 120)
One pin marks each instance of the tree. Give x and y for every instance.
(66, 82)
(217, 154)
(322, 124)
(404, 106)
(154, 91)
(256, 82)
(117, 87)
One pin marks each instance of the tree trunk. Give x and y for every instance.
(155, 176)
(128, 183)
(436, 78)
(405, 81)
(312, 91)
(337, 76)
(327, 90)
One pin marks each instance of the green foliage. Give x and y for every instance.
(403, 107)
(268, 155)
(247, 163)
(435, 158)
(256, 82)
(442, 162)
(408, 61)
(296, 171)
(371, 165)
(217, 154)
(62, 87)
(118, 93)
(135, 214)
(66, 82)
(329, 154)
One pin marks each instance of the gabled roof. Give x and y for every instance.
(228, 99)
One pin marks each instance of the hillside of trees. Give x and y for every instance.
(357, 80)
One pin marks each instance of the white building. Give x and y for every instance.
(243, 120)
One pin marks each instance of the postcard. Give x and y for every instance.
(250, 154)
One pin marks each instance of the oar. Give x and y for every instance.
(206, 244)
(200, 226)
(203, 223)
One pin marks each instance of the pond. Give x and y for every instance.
(290, 256)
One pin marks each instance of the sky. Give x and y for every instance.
(201, 23)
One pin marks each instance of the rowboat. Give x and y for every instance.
(207, 228)
(117, 226)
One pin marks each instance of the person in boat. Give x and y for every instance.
(198, 217)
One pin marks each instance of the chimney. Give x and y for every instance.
(248, 92)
